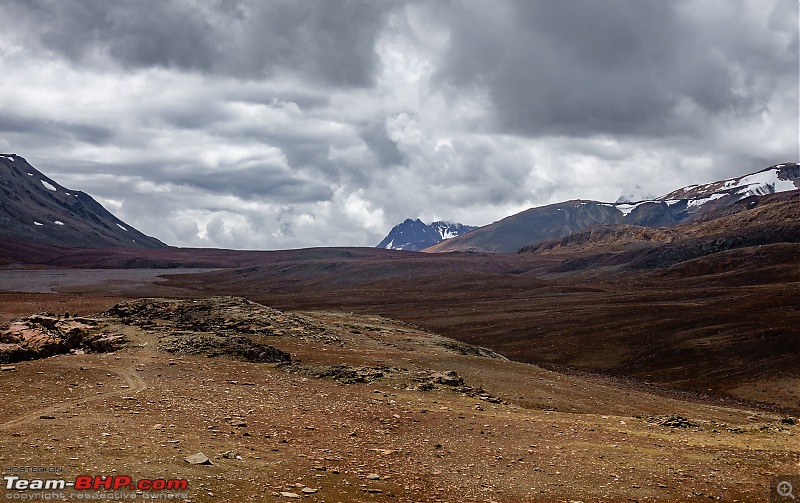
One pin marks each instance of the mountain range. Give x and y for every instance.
(559, 220)
(34, 208)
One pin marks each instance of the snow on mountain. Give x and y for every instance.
(693, 198)
(777, 178)
(449, 230)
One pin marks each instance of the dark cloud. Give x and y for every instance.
(332, 42)
(376, 137)
(618, 67)
(258, 181)
(55, 131)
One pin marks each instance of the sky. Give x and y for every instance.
(274, 124)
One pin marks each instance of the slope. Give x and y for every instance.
(34, 208)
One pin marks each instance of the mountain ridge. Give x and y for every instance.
(35, 208)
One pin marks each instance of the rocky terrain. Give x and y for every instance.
(363, 408)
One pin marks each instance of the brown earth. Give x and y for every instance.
(421, 418)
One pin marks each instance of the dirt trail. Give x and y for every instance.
(132, 379)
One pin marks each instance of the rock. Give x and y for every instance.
(8, 368)
(308, 490)
(158, 426)
(449, 378)
(44, 416)
(231, 455)
(238, 423)
(287, 494)
(198, 459)
(373, 476)
(785, 420)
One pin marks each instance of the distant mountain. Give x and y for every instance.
(756, 222)
(34, 208)
(414, 235)
(562, 219)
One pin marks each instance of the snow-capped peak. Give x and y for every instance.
(777, 178)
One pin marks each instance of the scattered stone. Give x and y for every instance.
(672, 421)
(198, 459)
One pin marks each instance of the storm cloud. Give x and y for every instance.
(277, 124)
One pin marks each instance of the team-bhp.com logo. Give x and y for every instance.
(88, 487)
(99, 482)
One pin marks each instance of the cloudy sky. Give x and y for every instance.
(291, 123)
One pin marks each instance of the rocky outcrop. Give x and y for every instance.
(43, 335)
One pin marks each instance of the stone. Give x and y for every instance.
(287, 494)
(8, 368)
(308, 490)
(373, 476)
(198, 459)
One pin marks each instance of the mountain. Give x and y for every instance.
(758, 223)
(535, 224)
(558, 220)
(414, 235)
(34, 208)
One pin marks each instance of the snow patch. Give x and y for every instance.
(389, 246)
(7, 157)
(48, 185)
(58, 222)
(695, 203)
(30, 174)
(626, 208)
(765, 182)
(447, 233)
(121, 227)
(37, 223)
